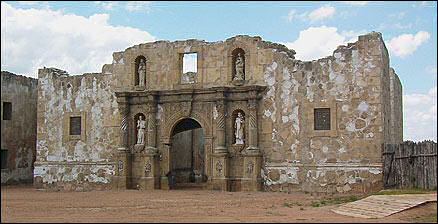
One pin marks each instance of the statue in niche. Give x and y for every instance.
(141, 125)
(240, 64)
(239, 129)
(141, 72)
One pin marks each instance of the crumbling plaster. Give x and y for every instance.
(354, 83)
(61, 158)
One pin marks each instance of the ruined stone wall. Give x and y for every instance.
(163, 62)
(18, 135)
(75, 162)
(396, 97)
(354, 84)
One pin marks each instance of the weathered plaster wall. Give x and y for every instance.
(18, 135)
(62, 160)
(354, 84)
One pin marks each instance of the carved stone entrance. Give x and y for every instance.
(187, 154)
(226, 165)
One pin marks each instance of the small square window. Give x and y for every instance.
(322, 119)
(7, 110)
(4, 159)
(75, 125)
(189, 68)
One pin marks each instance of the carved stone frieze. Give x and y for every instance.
(147, 169)
(219, 167)
(120, 167)
(250, 168)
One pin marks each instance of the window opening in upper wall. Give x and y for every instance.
(189, 68)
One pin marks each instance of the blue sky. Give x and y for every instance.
(313, 29)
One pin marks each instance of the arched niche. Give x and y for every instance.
(234, 55)
(235, 115)
(136, 74)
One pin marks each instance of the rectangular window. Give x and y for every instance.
(4, 158)
(75, 125)
(322, 119)
(189, 68)
(7, 110)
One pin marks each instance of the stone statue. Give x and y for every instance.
(141, 125)
(141, 72)
(240, 64)
(239, 129)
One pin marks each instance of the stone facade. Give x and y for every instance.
(87, 124)
(18, 127)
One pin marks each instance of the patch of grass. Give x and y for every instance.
(292, 204)
(404, 191)
(334, 201)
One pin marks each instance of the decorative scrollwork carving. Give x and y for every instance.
(124, 110)
(147, 168)
(250, 167)
(220, 120)
(120, 167)
(219, 167)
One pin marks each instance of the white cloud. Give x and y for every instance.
(420, 115)
(33, 3)
(398, 15)
(317, 42)
(322, 13)
(34, 38)
(359, 3)
(291, 15)
(135, 6)
(424, 4)
(406, 44)
(107, 5)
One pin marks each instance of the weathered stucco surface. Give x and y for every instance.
(75, 163)
(18, 135)
(356, 83)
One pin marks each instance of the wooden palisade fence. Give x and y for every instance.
(410, 165)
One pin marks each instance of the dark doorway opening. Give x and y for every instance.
(187, 155)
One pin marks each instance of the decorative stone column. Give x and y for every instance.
(147, 162)
(252, 132)
(252, 163)
(123, 156)
(152, 125)
(220, 156)
(252, 158)
(165, 179)
(124, 116)
(149, 169)
(220, 127)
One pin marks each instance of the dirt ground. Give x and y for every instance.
(26, 204)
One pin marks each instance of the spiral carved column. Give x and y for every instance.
(124, 113)
(220, 128)
(252, 135)
(152, 128)
(123, 162)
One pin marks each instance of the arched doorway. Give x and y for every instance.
(187, 165)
